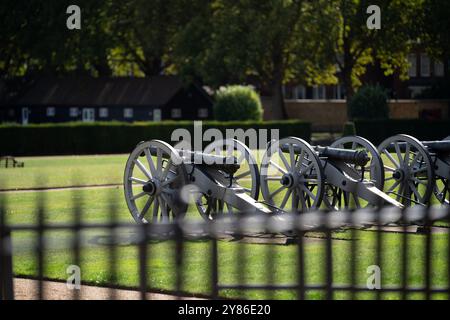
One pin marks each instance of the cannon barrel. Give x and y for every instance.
(357, 157)
(438, 146)
(434, 146)
(228, 164)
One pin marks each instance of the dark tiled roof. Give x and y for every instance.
(87, 91)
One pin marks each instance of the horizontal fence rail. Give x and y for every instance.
(294, 227)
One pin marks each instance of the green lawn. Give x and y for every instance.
(95, 269)
(95, 205)
(64, 171)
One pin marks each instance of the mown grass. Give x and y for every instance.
(63, 171)
(95, 266)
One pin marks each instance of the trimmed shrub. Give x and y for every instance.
(349, 129)
(118, 137)
(237, 103)
(378, 130)
(370, 102)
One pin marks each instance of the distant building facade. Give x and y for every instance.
(423, 73)
(108, 99)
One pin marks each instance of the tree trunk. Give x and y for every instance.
(278, 109)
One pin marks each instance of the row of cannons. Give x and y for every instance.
(162, 182)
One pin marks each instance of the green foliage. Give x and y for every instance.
(370, 102)
(378, 130)
(349, 129)
(118, 137)
(237, 103)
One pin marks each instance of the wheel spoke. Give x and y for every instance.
(278, 167)
(300, 159)
(392, 188)
(283, 158)
(137, 180)
(146, 207)
(285, 199)
(150, 161)
(398, 152)
(166, 170)
(309, 192)
(159, 161)
(155, 210)
(143, 168)
(276, 192)
(140, 195)
(413, 188)
(292, 155)
(395, 163)
(242, 175)
(273, 178)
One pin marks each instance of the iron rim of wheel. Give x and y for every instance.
(152, 184)
(298, 174)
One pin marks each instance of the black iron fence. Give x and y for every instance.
(296, 230)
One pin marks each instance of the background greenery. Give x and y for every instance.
(237, 103)
(118, 137)
(221, 42)
(378, 130)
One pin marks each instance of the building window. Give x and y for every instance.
(300, 92)
(338, 92)
(424, 65)
(176, 113)
(203, 113)
(51, 111)
(288, 92)
(319, 92)
(73, 112)
(157, 115)
(412, 59)
(103, 112)
(128, 113)
(438, 68)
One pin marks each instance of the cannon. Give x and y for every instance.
(222, 179)
(416, 170)
(296, 176)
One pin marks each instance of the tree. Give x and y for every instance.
(145, 31)
(357, 45)
(435, 31)
(273, 41)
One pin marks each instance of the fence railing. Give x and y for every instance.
(296, 228)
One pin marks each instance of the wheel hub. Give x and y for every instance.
(398, 175)
(287, 180)
(149, 187)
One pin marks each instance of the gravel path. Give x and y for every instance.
(27, 289)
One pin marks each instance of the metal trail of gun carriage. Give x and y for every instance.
(294, 177)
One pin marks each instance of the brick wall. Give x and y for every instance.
(330, 115)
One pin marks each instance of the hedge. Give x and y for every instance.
(116, 137)
(378, 130)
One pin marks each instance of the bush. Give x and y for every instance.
(118, 137)
(370, 102)
(349, 129)
(378, 130)
(237, 103)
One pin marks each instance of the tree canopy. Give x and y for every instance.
(220, 42)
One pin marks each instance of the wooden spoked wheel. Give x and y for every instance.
(246, 177)
(154, 175)
(409, 170)
(335, 198)
(292, 176)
